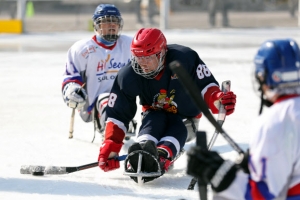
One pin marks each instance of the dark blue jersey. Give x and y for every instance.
(166, 94)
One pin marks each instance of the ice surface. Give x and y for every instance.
(34, 121)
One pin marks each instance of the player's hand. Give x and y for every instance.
(108, 151)
(74, 95)
(210, 167)
(228, 99)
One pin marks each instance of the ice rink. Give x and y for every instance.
(34, 120)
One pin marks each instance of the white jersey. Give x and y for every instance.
(90, 62)
(274, 156)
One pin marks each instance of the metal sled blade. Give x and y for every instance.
(139, 173)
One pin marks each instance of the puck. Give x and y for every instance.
(38, 171)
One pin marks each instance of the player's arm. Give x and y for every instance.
(73, 94)
(211, 92)
(121, 109)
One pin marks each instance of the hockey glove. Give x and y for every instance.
(210, 167)
(108, 151)
(74, 96)
(227, 99)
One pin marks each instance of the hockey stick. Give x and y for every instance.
(194, 92)
(221, 118)
(201, 142)
(71, 130)
(222, 114)
(38, 170)
(72, 124)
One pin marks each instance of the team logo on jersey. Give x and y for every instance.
(92, 49)
(107, 68)
(162, 101)
(87, 51)
(102, 64)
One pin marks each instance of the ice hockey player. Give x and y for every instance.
(271, 168)
(96, 61)
(165, 103)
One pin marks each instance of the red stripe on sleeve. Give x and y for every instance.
(114, 133)
(209, 100)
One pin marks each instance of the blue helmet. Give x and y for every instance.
(277, 64)
(107, 13)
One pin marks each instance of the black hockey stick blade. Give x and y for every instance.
(194, 92)
(57, 170)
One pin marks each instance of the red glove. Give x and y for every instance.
(109, 149)
(228, 100)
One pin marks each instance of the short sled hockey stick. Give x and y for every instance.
(192, 90)
(71, 130)
(222, 114)
(72, 124)
(221, 118)
(38, 170)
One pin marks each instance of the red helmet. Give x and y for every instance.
(148, 41)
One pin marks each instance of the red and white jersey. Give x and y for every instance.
(97, 65)
(274, 161)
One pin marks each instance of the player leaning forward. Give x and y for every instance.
(96, 61)
(165, 104)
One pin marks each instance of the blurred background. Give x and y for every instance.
(75, 15)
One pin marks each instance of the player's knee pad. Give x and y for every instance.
(101, 107)
(102, 102)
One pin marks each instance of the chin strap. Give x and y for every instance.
(261, 102)
(264, 102)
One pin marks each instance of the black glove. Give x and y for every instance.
(211, 168)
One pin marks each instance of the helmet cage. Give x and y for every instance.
(148, 61)
(108, 19)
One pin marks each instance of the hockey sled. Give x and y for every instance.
(139, 173)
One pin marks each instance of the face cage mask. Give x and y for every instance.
(152, 74)
(109, 20)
